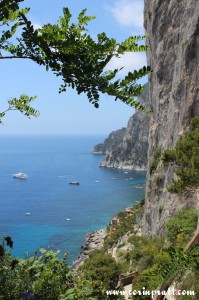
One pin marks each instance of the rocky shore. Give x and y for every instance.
(94, 240)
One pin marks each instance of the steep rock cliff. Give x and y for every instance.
(131, 152)
(173, 28)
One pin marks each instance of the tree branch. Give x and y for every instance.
(11, 57)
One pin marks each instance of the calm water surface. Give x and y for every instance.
(60, 214)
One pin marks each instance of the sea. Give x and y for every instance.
(45, 211)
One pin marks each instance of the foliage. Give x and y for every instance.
(44, 275)
(48, 277)
(82, 289)
(186, 159)
(179, 263)
(175, 263)
(102, 271)
(69, 51)
(126, 224)
(151, 258)
(23, 105)
(146, 258)
(147, 281)
(190, 282)
(181, 227)
(169, 156)
(156, 264)
(155, 160)
(145, 250)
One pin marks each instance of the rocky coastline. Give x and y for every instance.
(94, 240)
(126, 148)
(123, 166)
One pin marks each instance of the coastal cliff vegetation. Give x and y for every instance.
(185, 159)
(125, 251)
(152, 259)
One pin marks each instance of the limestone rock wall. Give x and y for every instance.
(173, 27)
(131, 152)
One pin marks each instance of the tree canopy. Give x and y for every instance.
(68, 50)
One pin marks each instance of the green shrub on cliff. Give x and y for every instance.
(186, 159)
(181, 227)
(143, 255)
(103, 272)
(190, 283)
(127, 221)
(156, 264)
(155, 160)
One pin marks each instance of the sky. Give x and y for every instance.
(69, 113)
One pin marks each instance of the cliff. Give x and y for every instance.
(127, 149)
(173, 28)
(137, 238)
(110, 143)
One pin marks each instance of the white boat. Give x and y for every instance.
(20, 175)
(28, 213)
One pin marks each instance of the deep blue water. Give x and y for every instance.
(50, 163)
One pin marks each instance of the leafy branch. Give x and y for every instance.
(69, 52)
(23, 105)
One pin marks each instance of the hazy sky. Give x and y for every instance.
(69, 113)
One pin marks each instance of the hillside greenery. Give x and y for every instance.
(68, 51)
(103, 272)
(180, 228)
(155, 160)
(185, 159)
(152, 260)
(46, 276)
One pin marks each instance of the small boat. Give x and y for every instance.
(68, 219)
(74, 182)
(28, 213)
(20, 175)
(96, 181)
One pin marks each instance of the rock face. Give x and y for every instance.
(131, 151)
(173, 28)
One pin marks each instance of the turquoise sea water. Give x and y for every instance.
(60, 214)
